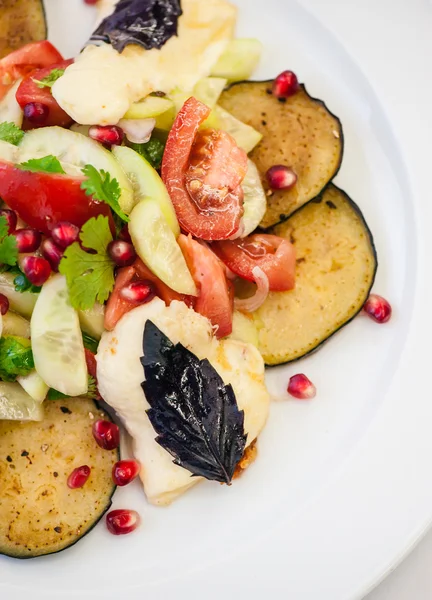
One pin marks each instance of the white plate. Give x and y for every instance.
(342, 486)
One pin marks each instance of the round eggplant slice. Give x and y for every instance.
(21, 22)
(298, 132)
(39, 513)
(336, 266)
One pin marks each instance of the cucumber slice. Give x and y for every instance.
(157, 247)
(239, 61)
(255, 200)
(146, 183)
(14, 324)
(246, 136)
(34, 385)
(209, 89)
(22, 303)
(10, 110)
(17, 405)
(77, 150)
(58, 349)
(8, 152)
(150, 107)
(92, 320)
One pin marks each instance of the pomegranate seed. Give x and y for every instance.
(36, 112)
(36, 269)
(125, 235)
(280, 177)
(138, 292)
(285, 85)
(28, 240)
(122, 521)
(52, 253)
(301, 387)
(125, 471)
(91, 1)
(4, 304)
(64, 234)
(106, 434)
(122, 253)
(11, 218)
(78, 477)
(108, 134)
(377, 308)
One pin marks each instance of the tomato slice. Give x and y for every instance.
(19, 63)
(274, 255)
(44, 199)
(29, 91)
(203, 174)
(117, 306)
(215, 299)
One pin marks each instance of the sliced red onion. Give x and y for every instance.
(137, 131)
(254, 302)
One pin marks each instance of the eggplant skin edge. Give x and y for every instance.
(359, 213)
(285, 217)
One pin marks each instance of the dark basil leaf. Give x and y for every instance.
(194, 413)
(149, 23)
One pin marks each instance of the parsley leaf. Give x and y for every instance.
(8, 244)
(100, 185)
(50, 79)
(152, 151)
(47, 164)
(90, 277)
(9, 132)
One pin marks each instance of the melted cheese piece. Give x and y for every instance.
(102, 84)
(119, 374)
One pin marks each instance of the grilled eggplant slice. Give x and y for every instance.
(39, 514)
(336, 266)
(21, 22)
(300, 133)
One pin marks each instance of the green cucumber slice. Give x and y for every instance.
(8, 152)
(17, 405)
(57, 345)
(150, 107)
(156, 245)
(246, 136)
(22, 303)
(34, 385)
(77, 150)
(255, 200)
(209, 89)
(14, 324)
(146, 183)
(239, 60)
(92, 320)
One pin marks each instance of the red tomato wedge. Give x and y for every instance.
(215, 299)
(274, 255)
(203, 174)
(29, 91)
(117, 306)
(19, 63)
(44, 199)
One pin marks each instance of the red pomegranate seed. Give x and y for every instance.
(78, 477)
(11, 218)
(91, 1)
(124, 234)
(36, 269)
(378, 308)
(52, 253)
(28, 240)
(122, 253)
(138, 292)
(285, 85)
(108, 134)
(4, 304)
(280, 177)
(64, 234)
(122, 521)
(36, 112)
(125, 471)
(106, 434)
(301, 387)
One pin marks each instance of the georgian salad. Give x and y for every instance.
(168, 229)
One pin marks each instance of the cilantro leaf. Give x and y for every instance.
(8, 244)
(152, 151)
(50, 79)
(9, 132)
(16, 357)
(47, 164)
(100, 185)
(90, 277)
(92, 392)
